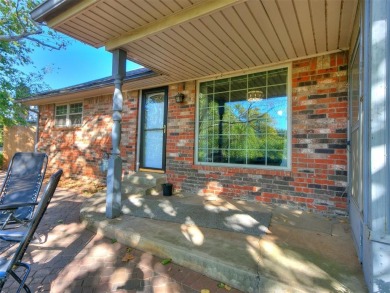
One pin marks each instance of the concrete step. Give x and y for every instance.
(196, 248)
(291, 259)
(141, 190)
(145, 179)
(143, 183)
(130, 189)
(156, 190)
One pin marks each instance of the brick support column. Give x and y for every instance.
(114, 174)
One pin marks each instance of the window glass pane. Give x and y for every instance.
(245, 122)
(239, 82)
(277, 112)
(204, 155)
(220, 156)
(75, 119)
(61, 120)
(203, 141)
(76, 108)
(274, 158)
(278, 76)
(257, 80)
(205, 100)
(61, 110)
(237, 96)
(355, 77)
(152, 142)
(69, 115)
(256, 157)
(206, 87)
(154, 111)
(222, 85)
(277, 91)
(237, 142)
(237, 157)
(205, 115)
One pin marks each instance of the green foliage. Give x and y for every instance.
(11, 113)
(19, 36)
(245, 134)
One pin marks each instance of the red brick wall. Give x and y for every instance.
(79, 150)
(318, 178)
(129, 131)
(181, 137)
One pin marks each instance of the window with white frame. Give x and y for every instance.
(69, 115)
(243, 120)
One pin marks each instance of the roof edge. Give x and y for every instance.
(50, 9)
(132, 75)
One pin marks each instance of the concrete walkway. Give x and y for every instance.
(73, 259)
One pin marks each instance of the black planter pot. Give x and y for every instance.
(167, 189)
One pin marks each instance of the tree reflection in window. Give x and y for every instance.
(235, 130)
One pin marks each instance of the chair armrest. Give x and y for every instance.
(12, 236)
(16, 205)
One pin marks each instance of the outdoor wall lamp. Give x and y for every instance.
(179, 98)
(255, 96)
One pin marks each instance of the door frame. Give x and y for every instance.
(140, 162)
(356, 205)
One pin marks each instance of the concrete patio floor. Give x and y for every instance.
(72, 259)
(303, 252)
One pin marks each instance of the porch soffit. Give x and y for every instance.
(190, 39)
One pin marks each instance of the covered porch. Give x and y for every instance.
(317, 46)
(286, 72)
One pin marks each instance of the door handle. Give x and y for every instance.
(165, 128)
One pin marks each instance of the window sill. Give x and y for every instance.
(67, 128)
(239, 166)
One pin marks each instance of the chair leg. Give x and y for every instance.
(6, 221)
(22, 281)
(22, 222)
(2, 282)
(10, 218)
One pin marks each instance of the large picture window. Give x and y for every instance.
(69, 115)
(243, 120)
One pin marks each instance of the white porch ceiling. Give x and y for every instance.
(189, 39)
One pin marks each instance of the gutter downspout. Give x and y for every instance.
(37, 132)
(37, 128)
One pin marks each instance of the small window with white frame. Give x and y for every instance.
(69, 114)
(244, 120)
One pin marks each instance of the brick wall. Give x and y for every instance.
(318, 178)
(181, 137)
(79, 150)
(129, 131)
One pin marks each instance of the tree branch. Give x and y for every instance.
(44, 44)
(19, 37)
(38, 29)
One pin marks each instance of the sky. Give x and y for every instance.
(76, 64)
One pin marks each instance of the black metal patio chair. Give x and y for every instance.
(22, 184)
(10, 264)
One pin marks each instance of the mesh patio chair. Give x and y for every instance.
(10, 264)
(22, 184)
